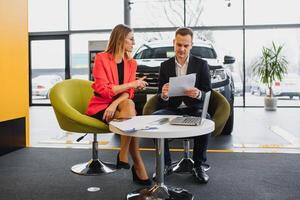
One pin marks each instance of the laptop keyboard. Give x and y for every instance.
(186, 121)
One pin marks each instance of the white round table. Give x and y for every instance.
(147, 126)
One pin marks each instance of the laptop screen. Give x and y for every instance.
(205, 104)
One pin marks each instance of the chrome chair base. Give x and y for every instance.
(185, 165)
(160, 192)
(93, 167)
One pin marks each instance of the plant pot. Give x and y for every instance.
(270, 103)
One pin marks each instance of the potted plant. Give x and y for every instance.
(271, 66)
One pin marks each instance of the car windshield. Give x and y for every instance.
(203, 52)
(167, 52)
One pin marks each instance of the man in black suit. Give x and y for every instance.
(191, 104)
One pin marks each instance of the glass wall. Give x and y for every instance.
(47, 15)
(218, 21)
(272, 12)
(288, 89)
(214, 12)
(47, 67)
(229, 43)
(80, 53)
(170, 13)
(156, 13)
(95, 14)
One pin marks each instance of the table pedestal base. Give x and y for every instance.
(160, 193)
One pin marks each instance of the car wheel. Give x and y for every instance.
(229, 124)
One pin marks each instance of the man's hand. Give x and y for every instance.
(110, 112)
(139, 83)
(192, 92)
(165, 90)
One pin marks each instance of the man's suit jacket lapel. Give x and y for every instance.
(174, 101)
(190, 65)
(172, 68)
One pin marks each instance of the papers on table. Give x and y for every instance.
(177, 85)
(135, 124)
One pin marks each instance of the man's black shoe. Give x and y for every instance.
(200, 174)
(167, 171)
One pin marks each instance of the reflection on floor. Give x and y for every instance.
(255, 130)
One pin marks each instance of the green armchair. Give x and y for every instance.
(69, 99)
(219, 110)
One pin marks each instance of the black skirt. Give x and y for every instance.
(99, 116)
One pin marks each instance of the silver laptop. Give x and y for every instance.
(190, 120)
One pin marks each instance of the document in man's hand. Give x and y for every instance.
(177, 85)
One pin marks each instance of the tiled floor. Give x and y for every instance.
(255, 130)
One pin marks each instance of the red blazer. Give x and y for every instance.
(105, 74)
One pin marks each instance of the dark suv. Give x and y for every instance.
(149, 57)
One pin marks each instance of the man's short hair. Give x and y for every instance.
(184, 31)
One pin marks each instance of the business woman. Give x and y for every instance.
(114, 83)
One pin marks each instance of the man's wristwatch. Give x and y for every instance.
(199, 95)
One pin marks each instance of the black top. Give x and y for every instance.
(121, 72)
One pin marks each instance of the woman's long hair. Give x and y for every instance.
(116, 41)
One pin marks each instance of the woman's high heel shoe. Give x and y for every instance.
(121, 164)
(137, 180)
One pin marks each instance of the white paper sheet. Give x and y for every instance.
(177, 85)
(135, 124)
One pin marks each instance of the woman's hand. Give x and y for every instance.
(139, 83)
(110, 112)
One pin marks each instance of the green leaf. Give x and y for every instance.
(271, 65)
